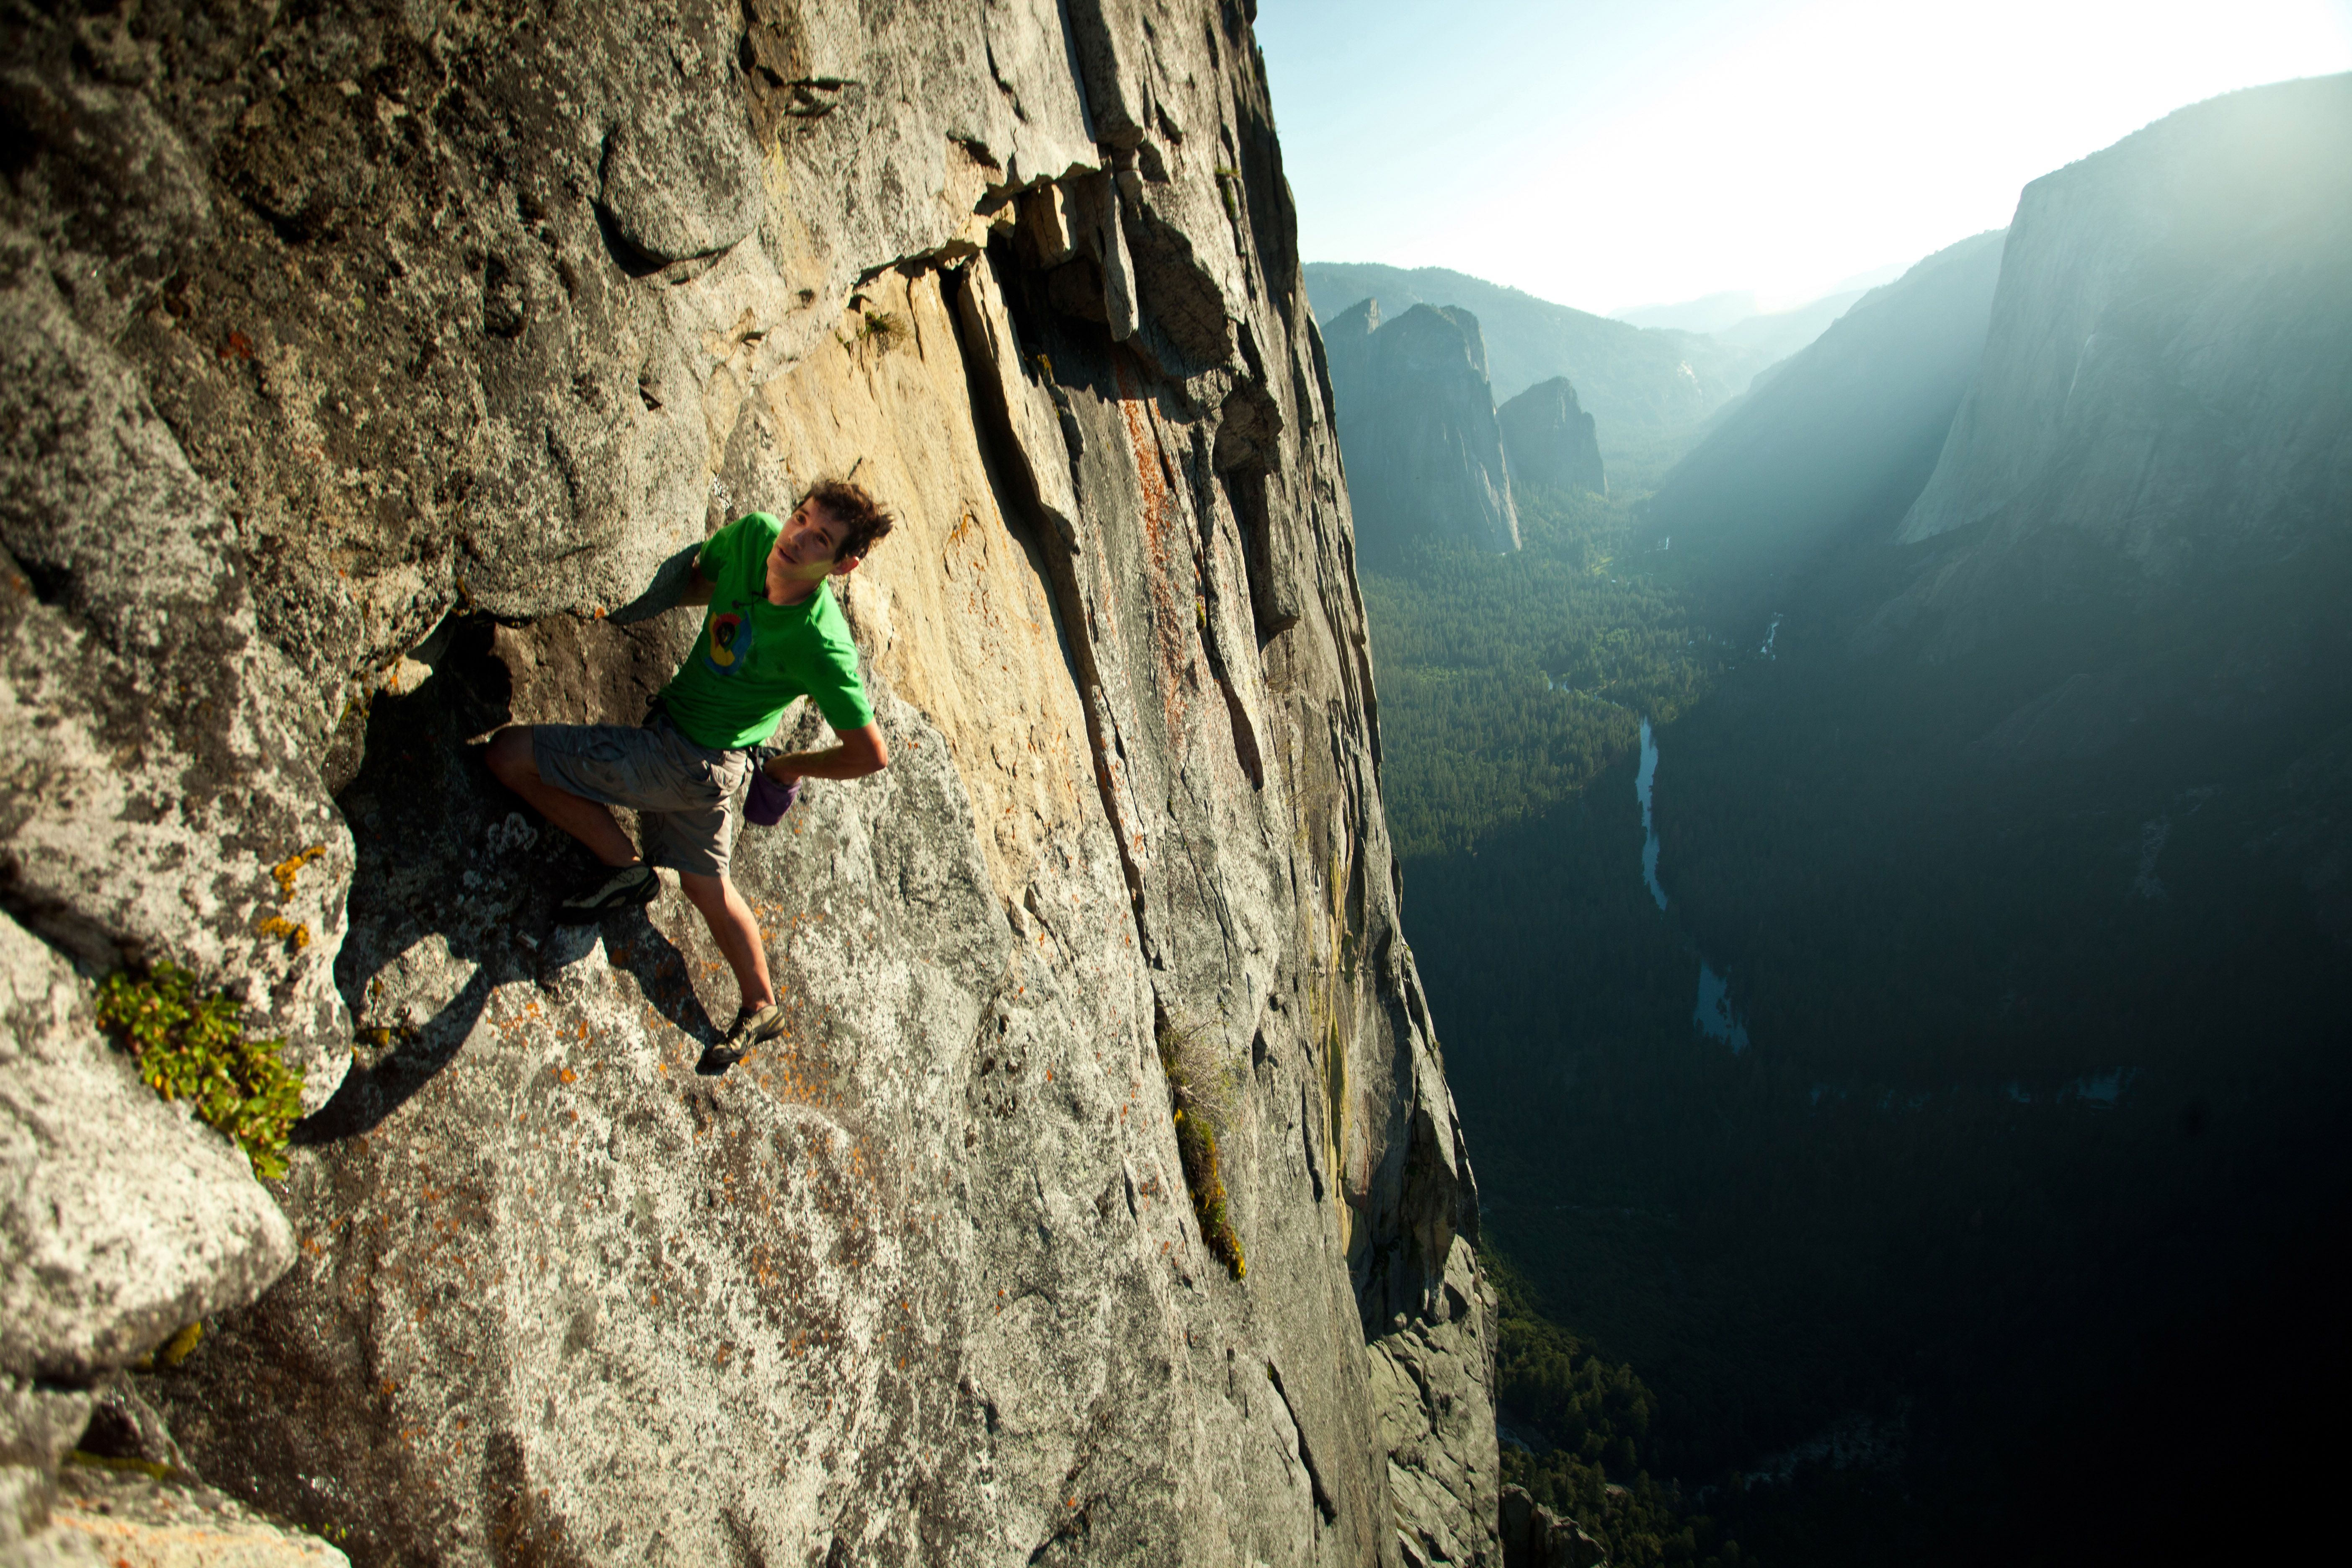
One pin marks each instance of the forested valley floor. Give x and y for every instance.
(2009, 1218)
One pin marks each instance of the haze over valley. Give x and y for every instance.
(1876, 831)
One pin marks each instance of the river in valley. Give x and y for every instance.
(1712, 1015)
(1641, 782)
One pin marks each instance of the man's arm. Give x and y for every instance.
(861, 752)
(676, 581)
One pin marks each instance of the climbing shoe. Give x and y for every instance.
(752, 1030)
(619, 888)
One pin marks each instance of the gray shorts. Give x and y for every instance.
(687, 797)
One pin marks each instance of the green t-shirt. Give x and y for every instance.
(753, 658)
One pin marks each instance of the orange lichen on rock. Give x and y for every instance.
(287, 871)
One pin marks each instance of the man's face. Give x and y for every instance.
(807, 549)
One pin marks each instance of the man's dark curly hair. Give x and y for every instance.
(863, 521)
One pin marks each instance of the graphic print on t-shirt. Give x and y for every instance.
(730, 641)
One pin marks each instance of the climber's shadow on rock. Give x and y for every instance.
(635, 946)
(455, 886)
(372, 1091)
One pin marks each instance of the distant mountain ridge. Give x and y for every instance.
(1633, 381)
(1779, 333)
(1709, 314)
(1844, 433)
(1733, 314)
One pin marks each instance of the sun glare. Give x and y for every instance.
(1607, 155)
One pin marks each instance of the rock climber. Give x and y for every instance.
(771, 633)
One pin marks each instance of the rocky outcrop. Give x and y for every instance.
(123, 1220)
(120, 1222)
(361, 362)
(1548, 437)
(124, 1518)
(1536, 1537)
(1838, 439)
(1417, 419)
(1434, 1372)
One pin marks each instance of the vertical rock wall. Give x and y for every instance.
(1418, 415)
(363, 361)
(1548, 439)
(2163, 373)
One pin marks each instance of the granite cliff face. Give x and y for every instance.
(2163, 378)
(359, 363)
(1417, 417)
(2145, 501)
(1548, 439)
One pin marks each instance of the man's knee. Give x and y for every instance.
(704, 893)
(510, 754)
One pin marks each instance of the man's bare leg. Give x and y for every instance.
(589, 821)
(737, 933)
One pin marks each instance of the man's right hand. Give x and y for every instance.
(678, 581)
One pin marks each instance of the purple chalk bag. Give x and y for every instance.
(767, 801)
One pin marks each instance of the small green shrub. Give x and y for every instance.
(194, 1047)
(1196, 1142)
(1196, 1096)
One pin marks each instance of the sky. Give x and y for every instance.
(1611, 154)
